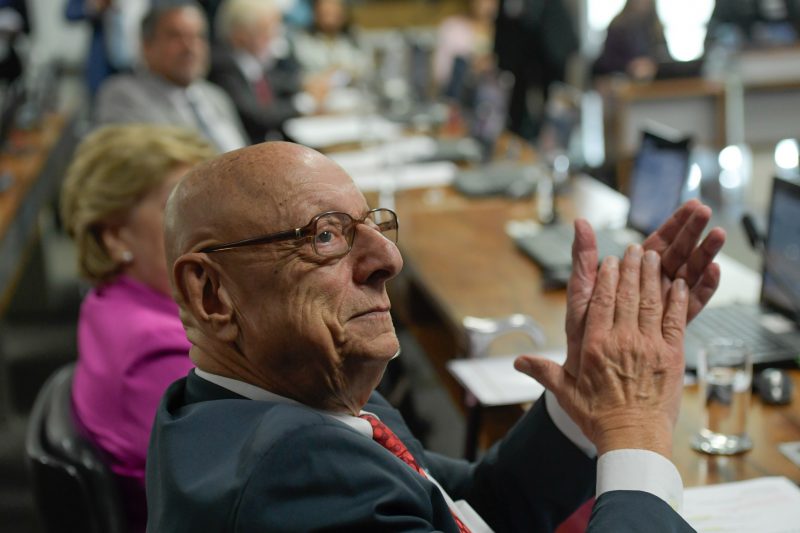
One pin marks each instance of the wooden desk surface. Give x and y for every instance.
(32, 186)
(768, 426)
(459, 262)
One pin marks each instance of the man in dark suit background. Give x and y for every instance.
(280, 270)
(534, 39)
(170, 87)
(254, 63)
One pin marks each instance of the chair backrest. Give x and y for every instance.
(74, 489)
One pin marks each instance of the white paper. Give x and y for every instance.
(326, 131)
(792, 451)
(403, 150)
(738, 284)
(414, 176)
(763, 505)
(495, 381)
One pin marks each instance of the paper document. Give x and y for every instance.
(738, 284)
(495, 381)
(330, 130)
(763, 505)
(413, 176)
(402, 150)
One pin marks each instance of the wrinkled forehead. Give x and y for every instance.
(281, 194)
(183, 18)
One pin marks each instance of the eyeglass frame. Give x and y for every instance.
(305, 232)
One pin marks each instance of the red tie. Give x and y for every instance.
(386, 438)
(263, 91)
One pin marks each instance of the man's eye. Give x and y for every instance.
(325, 237)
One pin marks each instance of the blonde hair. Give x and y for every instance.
(112, 170)
(235, 14)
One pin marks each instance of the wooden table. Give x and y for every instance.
(34, 160)
(460, 262)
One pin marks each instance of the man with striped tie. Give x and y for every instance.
(169, 87)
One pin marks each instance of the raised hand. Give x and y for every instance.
(623, 378)
(681, 257)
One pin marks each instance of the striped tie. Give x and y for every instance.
(386, 438)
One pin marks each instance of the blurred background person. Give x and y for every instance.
(114, 44)
(170, 88)
(734, 23)
(254, 64)
(634, 44)
(534, 39)
(14, 22)
(131, 344)
(470, 36)
(329, 48)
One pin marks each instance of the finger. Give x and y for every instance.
(584, 262)
(703, 290)
(550, 374)
(600, 315)
(666, 233)
(681, 247)
(702, 256)
(650, 307)
(579, 288)
(674, 324)
(626, 311)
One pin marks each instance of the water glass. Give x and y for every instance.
(725, 375)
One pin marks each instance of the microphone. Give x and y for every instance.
(754, 236)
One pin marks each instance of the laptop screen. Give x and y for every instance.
(657, 181)
(780, 288)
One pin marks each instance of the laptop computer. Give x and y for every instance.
(770, 328)
(657, 182)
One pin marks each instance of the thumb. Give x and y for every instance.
(545, 371)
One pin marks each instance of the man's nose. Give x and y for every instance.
(376, 258)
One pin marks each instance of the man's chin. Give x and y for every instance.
(382, 348)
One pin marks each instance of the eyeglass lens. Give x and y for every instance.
(334, 231)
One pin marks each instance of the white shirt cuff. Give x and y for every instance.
(628, 469)
(641, 470)
(566, 426)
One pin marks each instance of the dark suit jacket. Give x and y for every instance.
(219, 462)
(284, 79)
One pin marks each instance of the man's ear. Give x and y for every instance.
(202, 293)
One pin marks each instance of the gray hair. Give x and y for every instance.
(235, 14)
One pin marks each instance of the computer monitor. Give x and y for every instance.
(780, 287)
(657, 181)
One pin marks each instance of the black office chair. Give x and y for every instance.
(73, 488)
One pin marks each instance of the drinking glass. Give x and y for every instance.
(725, 375)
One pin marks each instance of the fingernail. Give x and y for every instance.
(651, 257)
(522, 364)
(680, 286)
(634, 250)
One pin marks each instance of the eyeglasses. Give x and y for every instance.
(332, 233)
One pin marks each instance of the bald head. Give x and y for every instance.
(237, 192)
(278, 314)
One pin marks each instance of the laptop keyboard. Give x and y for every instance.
(739, 322)
(551, 247)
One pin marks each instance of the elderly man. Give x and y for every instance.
(170, 89)
(280, 270)
(255, 65)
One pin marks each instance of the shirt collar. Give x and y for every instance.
(252, 392)
(250, 66)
